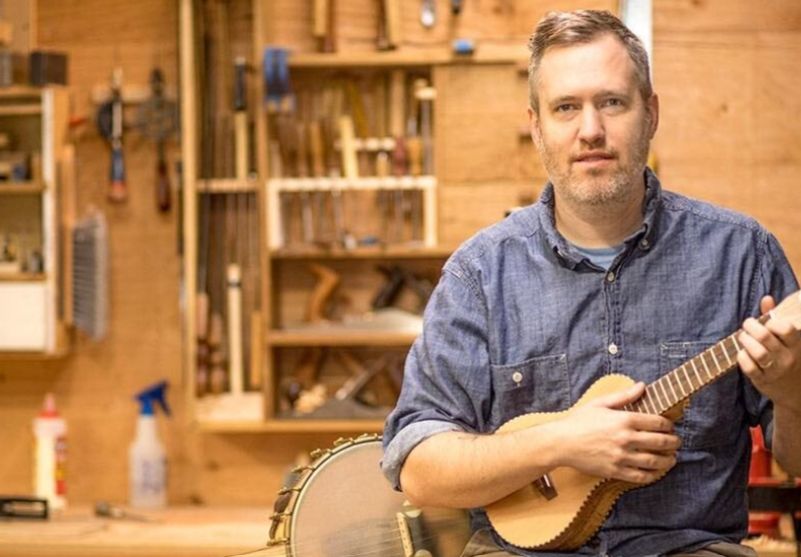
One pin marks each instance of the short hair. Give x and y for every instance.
(582, 27)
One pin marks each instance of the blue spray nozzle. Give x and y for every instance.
(155, 393)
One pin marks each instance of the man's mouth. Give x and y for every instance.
(594, 157)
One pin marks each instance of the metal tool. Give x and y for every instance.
(428, 13)
(110, 124)
(107, 510)
(23, 507)
(157, 119)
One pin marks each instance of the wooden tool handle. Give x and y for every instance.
(241, 144)
(393, 22)
(327, 282)
(414, 149)
(235, 329)
(350, 164)
(256, 348)
(316, 148)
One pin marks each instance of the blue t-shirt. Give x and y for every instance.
(602, 257)
(522, 322)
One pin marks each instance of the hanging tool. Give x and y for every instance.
(389, 30)
(277, 87)
(323, 25)
(157, 119)
(428, 13)
(241, 118)
(456, 7)
(110, 123)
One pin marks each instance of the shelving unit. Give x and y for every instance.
(285, 281)
(33, 300)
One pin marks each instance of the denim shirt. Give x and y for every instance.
(520, 322)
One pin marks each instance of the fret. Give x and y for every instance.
(687, 375)
(672, 390)
(703, 361)
(695, 368)
(726, 351)
(736, 344)
(715, 358)
(698, 375)
(681, 386)
(657, 401)
(664, 392)
(648, 404)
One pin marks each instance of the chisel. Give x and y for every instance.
(240, 118)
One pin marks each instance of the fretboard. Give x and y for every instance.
(677, 386)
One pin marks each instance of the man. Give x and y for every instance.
(607, 273)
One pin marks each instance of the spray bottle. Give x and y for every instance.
(148, 459)
(50, 455)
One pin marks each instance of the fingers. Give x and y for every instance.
(640, 475)
(649, 422)
(654, 442)
(765, 345)
(620, 399)
(766, 304)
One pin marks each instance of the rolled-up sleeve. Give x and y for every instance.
(446, 385)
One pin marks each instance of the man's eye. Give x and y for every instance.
(564, 108)
(614, 102)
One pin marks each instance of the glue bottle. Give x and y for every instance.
(50, 455)
(147, 457)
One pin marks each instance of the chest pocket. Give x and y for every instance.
(536, 385)
(713, 417)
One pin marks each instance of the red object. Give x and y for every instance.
(760, 457)
(761, 523)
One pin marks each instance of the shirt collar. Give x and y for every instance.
(645, 236)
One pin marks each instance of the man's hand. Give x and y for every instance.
(603, 440)
(771, 357)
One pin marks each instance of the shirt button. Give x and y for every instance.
(613, 349)
(517, 377)
(645, 243)
(610, 276)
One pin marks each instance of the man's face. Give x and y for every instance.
(594, 128)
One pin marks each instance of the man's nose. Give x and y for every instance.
(591, 129)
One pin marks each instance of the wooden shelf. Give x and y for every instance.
(428, 57)
(370, 252)
(21, 91)
(21, 188)
(294, 426)
(341, 337)
(227, 185)
(23, 277)
(22, 109)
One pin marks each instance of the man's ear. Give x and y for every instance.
(652, 106)
(534, 127)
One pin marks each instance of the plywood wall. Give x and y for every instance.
(725, 72)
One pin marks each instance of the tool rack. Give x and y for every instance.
(285, 280)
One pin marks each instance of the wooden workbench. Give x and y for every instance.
(174, 532)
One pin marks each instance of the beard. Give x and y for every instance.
(599, 187)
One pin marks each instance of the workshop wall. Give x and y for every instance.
(725, 74)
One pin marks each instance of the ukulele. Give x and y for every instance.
(564, 508)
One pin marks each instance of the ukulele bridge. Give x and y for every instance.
(545, 487)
